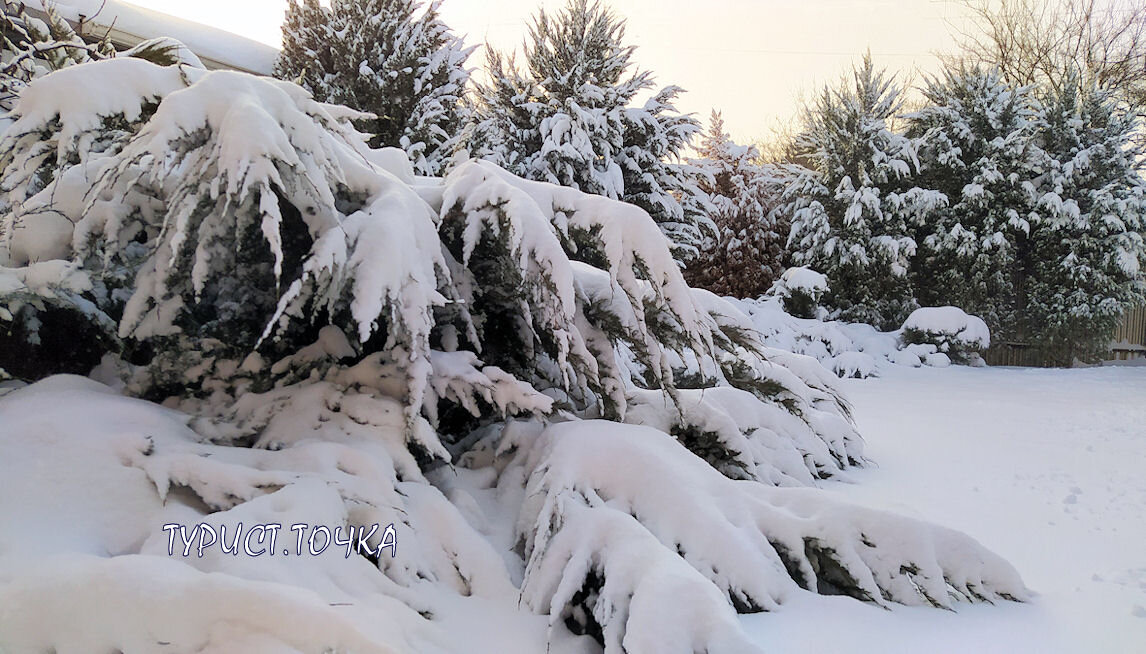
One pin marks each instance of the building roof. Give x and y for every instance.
(129, 25)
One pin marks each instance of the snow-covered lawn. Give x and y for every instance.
(1042, 466)
(1045, 467)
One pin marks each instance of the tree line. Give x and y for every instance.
(1012, 192)
(1012, 189)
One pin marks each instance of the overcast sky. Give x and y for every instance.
(748, 58)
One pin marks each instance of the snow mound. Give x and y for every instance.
(97, 484)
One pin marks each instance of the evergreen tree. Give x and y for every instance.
(566, 119)
(1089, 244)
(747, 255)
(384, 58)
(976, 147)
(850, 210)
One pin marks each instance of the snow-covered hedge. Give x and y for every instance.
(347, 345)
(960, 336)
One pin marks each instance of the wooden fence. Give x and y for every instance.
(1130, 337)
(1128, 342)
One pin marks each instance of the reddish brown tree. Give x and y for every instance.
(747, 254)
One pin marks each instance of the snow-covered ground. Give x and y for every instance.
(1044, 467)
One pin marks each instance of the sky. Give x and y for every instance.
(750, 59)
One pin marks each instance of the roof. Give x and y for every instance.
(129, 25)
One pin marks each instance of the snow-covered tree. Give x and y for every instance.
(355, 346)
(748, 254)
(566, 119)
(851, 209)
(1090, 254)
(389, 58)
(977, 147)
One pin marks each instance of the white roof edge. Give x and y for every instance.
(129, 25)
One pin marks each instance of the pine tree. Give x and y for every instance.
(977, 147)
(1090, 249)
(566, 119)
(747, 256)
(385, 58)
(850, 211)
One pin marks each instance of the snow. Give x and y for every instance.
(99, 481)
(223, 49)
(1043, 470)
(1041, 465)
(53, 282)
(117, 87)
(84, 562)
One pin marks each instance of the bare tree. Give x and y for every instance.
(1048, 42)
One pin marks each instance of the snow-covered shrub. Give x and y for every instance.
(350, 344)
(587, 491)
(47, 324)
(219, 214)
(800, 289)
(959, 336)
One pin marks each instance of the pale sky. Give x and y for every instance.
(748, 58)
